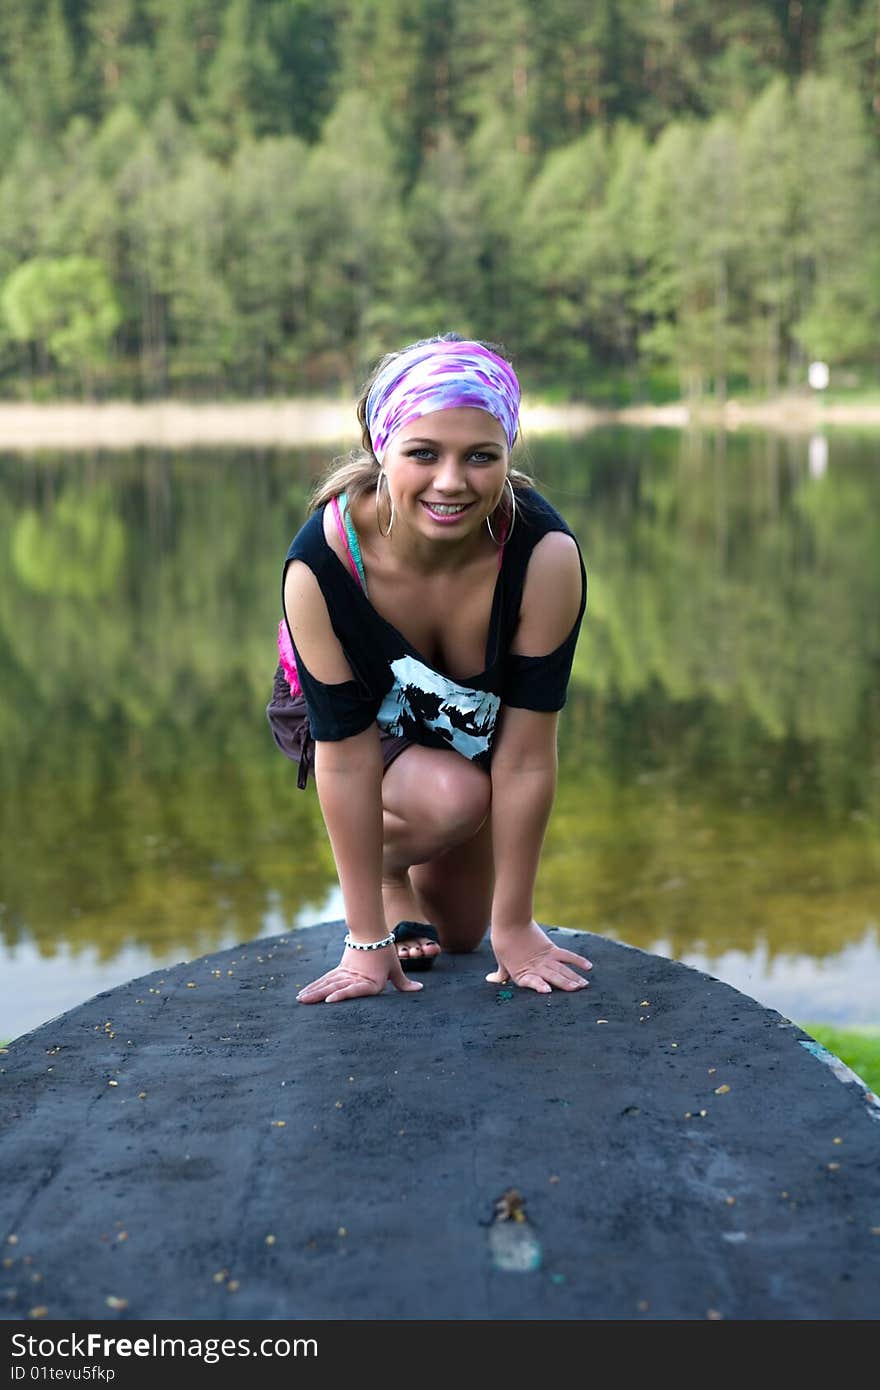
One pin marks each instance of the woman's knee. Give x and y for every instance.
(457, 801)
(445, 797)
(458, 942)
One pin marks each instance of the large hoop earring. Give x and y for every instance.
(382, 475)
(507, 537)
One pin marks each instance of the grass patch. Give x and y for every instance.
(859, 1048)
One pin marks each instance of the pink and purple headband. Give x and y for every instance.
(440, 376)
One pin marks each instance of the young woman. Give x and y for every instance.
(432, 603)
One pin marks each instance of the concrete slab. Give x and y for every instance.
(197, 1145)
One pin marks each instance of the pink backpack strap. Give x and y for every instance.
(287, 659)
(286, 654)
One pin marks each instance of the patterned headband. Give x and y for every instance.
(440, 376)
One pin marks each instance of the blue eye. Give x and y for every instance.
(425, 455)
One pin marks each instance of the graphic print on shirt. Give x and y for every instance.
(423, 698)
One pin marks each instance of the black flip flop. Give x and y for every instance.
(412, 931)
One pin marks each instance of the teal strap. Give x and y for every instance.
(354, 544)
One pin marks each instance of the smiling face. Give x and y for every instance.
(446, 471)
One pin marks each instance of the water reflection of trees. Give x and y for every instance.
(142, 800)
(720, 750)
(733, 603)
(706, 865)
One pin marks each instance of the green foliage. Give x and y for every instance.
(66, 307)
(858, 1048)
(838, 233)
(280, 190)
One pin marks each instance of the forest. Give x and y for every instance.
(640, 199)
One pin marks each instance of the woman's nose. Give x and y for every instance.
(450, 474)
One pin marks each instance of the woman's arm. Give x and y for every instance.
(348, 775)
(523, 788)
(524, 779)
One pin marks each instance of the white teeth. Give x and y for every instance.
(447, 508)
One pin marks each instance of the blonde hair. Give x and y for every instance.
(357, 472)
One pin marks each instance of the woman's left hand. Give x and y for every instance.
(527, 956)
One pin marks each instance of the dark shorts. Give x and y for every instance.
(289, 722)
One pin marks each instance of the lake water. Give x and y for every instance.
(719, 790)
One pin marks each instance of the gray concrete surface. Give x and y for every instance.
(197, 1145)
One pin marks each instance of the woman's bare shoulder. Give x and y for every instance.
(310, 627)
(552, 595)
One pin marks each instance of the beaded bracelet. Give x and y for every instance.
(369, 945)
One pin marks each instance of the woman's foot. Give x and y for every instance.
(401, 905)
(422, 935)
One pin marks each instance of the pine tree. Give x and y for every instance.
(839, 223)
(769, 184)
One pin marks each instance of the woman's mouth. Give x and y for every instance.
(447, 511)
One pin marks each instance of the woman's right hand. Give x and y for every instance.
(358, 973)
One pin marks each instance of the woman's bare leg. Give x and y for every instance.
(455, 891)
(437, 860)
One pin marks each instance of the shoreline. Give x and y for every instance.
(169, 424)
